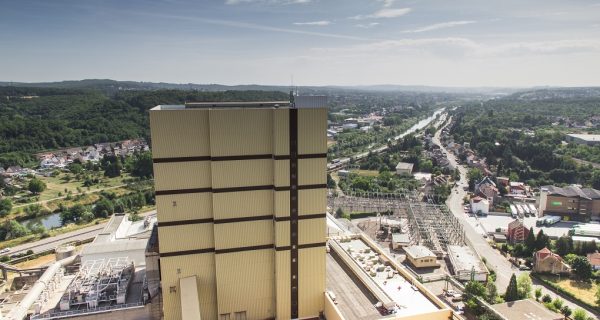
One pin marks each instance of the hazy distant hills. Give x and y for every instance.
(111, 86)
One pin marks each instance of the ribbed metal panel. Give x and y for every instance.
(312, 201)
(246, 282)
(312, 171)
(242, 204)
(282, 204)
(182, 175)
(200, 265)
(243, 234)
(242, 173)
(312, 281)
(282, 234)
(186, 237)
(178, 207)
(281, 144)
(312, 231)
(281, 174)
(179, 133)
(282, 285)
(241, 132)
(312, 128)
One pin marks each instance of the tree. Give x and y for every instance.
(475, 289)
(103, 208)
(36, 186)
(524, 285)
(474, 175)
(564, 245)
(5, 207)
(542, 241)
(339, 213)
(492, 292)
(538, 294)
(579, 314)
(565, 310)
(13, 229)
(530, 242)
(330, 182)
(142, 166)
(512, 292)
(582, 268)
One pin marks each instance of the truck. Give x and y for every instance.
(591, 230)
(520, 210)
(550, 220)
(532, 208)
(513, 211)
(525, 209)
(541, 221)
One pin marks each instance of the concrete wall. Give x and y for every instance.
(426, 262)
(331, 310)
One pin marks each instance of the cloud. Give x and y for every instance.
(252, 26)
(443, 25)
(383, 13)
(234, 2)
(387, 3)
(313, 23)
(368, 25)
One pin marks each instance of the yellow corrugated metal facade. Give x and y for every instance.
(223, 180)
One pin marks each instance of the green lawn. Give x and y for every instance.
(584, 290)
(366, 173)
(55, 186)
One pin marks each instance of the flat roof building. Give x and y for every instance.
(589, 139)
(241, 199)
(404, 168)
(525, 309)
(421, 256)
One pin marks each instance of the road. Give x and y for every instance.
(496, 261)
(53, 242)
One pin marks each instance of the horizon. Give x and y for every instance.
(319, 43)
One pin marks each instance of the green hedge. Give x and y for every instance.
(564, 292)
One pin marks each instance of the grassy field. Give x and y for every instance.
(58, 186)
(584, 290)
(366, 173)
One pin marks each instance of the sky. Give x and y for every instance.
(504, 43)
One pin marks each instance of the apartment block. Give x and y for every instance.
(241, 200)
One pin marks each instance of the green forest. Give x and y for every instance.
(53, 118)
(523, 139)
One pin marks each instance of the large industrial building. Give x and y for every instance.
(570, 202)
(241, 200)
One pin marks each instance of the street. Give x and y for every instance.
(503, 268)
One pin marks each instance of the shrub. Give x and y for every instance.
(546, 298)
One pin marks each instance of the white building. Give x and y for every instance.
(404, 168)
(479, 204)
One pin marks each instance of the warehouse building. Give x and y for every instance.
(570, 202)
(588, 139)
(241, 200)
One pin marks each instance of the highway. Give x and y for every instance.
(496, 261)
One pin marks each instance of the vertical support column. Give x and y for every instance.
(294, 210)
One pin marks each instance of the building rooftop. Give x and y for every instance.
(573, 191)
(464, 259)
(404, 166)
(300, 102)
(586, 137)
(418, 252)
(400, 238)
(526, 309)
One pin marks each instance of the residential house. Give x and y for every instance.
(545, 261)
(517, 232)
(503, 181)
(480, 205)
(486, 188)
(594, 259)
(14, 171)
(518, 188)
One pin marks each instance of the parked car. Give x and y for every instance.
(5, 250)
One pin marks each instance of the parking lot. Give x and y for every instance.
(493, 221)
